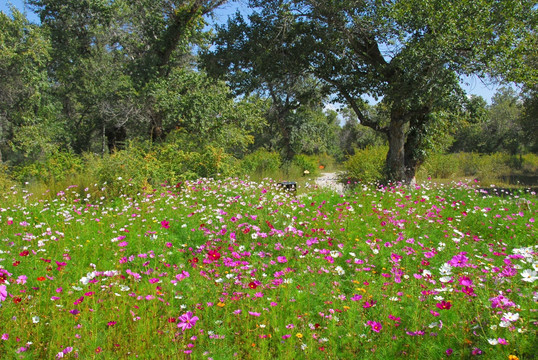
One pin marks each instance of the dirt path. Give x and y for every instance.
(330, 180)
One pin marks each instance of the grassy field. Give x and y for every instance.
(237, 269)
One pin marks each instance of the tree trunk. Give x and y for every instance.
(395, 162)
(402, 162)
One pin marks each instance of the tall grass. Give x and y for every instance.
(232, 268)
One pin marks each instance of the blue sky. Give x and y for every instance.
(472, 85)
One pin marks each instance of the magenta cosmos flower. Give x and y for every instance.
(187, 321)
(444, 305)
(3, 292)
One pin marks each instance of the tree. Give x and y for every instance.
(356, 136)
(108, 55)
(239, 50)
(28, 114)
(502, 131)
(408, 52)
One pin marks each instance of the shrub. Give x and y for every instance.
(439, 166)
(261, 162)
(366, 165)
(306, 163)
(6, 182)
(57, 167)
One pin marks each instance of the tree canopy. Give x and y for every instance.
(408, 53)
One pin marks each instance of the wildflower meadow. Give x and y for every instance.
(238, 269)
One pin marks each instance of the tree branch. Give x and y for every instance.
(364, 120)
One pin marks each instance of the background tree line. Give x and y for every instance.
(96, 74)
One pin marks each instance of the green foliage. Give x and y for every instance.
(409, 52)
(149, 165)
(261, 162)
(28, 115)
(6, 181)
(308, 163)
(503, 126)
(366, 165)
(486, 168)
(56, 167)
(194, 103)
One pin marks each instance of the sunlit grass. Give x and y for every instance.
(234, 268)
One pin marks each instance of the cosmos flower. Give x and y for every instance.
(187, 321)
(444, 305)
(3, 292)
(213, 255)
(510, 317)
(529, 275)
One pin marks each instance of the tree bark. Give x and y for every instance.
(395, 161)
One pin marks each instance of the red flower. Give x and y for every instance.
(17, 300)
(213, 255)
(24, 253)
(41, 278)
(252, 285)
(16, 263)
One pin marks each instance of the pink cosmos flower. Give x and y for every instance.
(281, 259)
(213, 255)
(3, 292)
(459, 260)
(376, 326)
(395, 257)
(165, 224)
(187, 321)
(22, 279)
(5, 337)
(444, 305)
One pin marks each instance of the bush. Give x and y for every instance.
(439, 166)
(366, 165)
(261, 162)
(325, 162)
(57, 167)
(306, 163)
(144, 165)
(6, 182)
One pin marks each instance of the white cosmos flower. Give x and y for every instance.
(445, 269)
(510, 317)
(335, 254)
(529, 275)
(493, 341)
(35, 319)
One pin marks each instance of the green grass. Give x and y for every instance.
(312, 275)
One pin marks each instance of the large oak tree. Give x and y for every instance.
(409, 53)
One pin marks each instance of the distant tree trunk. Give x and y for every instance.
(395, 161)
(115, 135)
(403, 158)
